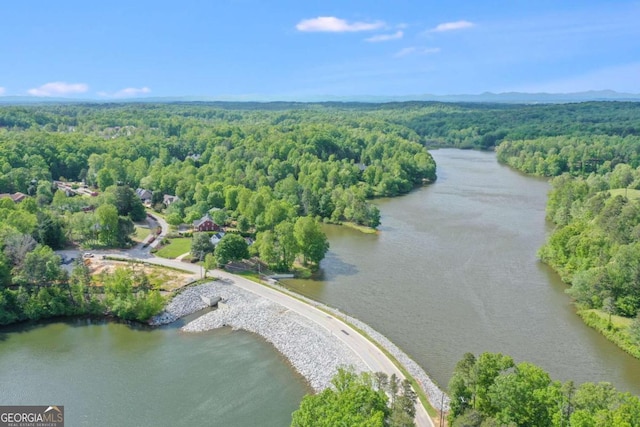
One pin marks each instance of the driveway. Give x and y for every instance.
(154, 221)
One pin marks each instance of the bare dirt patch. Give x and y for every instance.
(161, 278)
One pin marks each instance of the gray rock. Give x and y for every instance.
(314, 353)
(311, 350)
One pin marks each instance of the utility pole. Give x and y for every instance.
(202, 264)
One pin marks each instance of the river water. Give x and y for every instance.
(108, 374)
(454, 270)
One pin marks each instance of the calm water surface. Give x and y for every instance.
(454, 269)
(108, 374)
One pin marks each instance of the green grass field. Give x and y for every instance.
(630, 193)
(617, 321)
(617, 332)
(141, 233)
(360, 228)
(175, 248)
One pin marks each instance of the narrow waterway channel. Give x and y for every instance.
(454, 269)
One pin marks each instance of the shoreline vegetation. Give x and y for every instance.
(616, 331)
(493, 390)
(594, 204)
(360, 228)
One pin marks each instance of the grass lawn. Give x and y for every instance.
(360, 228)
(175, 248)
(630, 193)
(617, 332)
(617, 321)
(141, 233)
(154, 213)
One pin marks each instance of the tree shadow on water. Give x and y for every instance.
(333, 266)
(19, 328)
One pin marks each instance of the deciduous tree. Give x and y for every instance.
(200, 245)
(312, 242)
(107, 226)
(231, 247)
(352, 402)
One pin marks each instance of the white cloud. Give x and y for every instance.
(416, 51)
(405, 51)
(2, 90)
(58, 88)
(385, 37)
(452, 26)
(331, 24)
(128, 92)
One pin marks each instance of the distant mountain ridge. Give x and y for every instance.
(505, 97)
(486, 97)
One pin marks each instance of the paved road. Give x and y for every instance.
(375, 359)
(163, 225)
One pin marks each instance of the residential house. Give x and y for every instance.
(206, 223)
(168, 199)
(215, 239)
(16, 197)
(145, 196)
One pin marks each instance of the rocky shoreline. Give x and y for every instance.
(435, 395)
(311, 350)
(187, 302)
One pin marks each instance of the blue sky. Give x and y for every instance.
(296, 49)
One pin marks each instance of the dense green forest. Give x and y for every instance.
(492, 390)
(322, 163)
(269, 172)
(265, 168)
(488, 125)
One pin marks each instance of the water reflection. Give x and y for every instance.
(338, 268)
